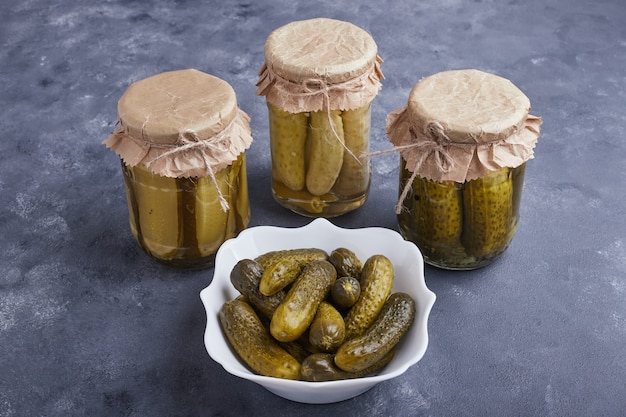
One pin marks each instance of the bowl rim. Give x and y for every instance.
(320, 225)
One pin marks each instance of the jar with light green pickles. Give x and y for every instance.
(182, 141)
(319, 79)
(464, 138)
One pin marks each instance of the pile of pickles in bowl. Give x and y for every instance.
(306, 363)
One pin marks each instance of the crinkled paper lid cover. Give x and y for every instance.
(180, 124)
(459, 125)
(318, 63)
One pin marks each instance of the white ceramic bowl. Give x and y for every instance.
(320, 233)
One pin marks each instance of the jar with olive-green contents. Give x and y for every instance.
(462, 164)
(180, 221)
(182, 141)
(319, 100)
(462, 225)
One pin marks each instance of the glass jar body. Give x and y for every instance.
(462, 226)
(179, 221)
(318, 163)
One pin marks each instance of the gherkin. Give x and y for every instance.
(440, 211)
(283, 269)
(212, 223)
(433, 215)
(242, 199)
(301, 255)
(354, 176)
(326, 152)
(157, 199)
(288, 132)
(488, 213)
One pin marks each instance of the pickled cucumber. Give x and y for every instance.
(345, 292)
(245, 277)
(395, 318)
(319, 367)
(435, 214)
(157, 200)
(295, 313)
(253, 344)
(346, 262)
(326, 153)
(488, 212)
(242, 199)
(284, 269)
(304, 255)
(212, 222)
(354, 177)
(376, 282)
(288, 133)
(328, 330)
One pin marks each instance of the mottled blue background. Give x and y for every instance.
(90, 326)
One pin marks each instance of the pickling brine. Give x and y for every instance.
(462, 225)
(182, 142)
(180, 221)
(462, 162)
(319, 104)
(319, 167)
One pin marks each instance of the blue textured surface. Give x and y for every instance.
(89, 326)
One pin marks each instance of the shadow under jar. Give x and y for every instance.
(319, 78)
(182, 141)
(462, 164)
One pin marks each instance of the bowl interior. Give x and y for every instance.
(320, 233)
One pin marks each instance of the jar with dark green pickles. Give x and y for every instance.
(182, 141)
(464, 138)
(319, 105)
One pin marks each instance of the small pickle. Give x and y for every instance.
(288, 132)
(328, 330)
(212, 223)
(345, 292)
(157, 201)
(376, 283)
(245, 277)
(432, 216)
(242, 199)
(346, 262)
(381, 337)
(327, 149)
(284, 270)
(488, 211)
(354, 178)
(304, 255)
(252, 342)
(295, 313)
(319, 367)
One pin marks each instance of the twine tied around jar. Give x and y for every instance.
(190, 155)
(433, 155)
(317, 86)
(315, 94)
(431, 141)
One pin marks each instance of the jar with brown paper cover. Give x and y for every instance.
(464, 138)
(182, 140)
(319, 79)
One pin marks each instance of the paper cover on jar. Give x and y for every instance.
(459, 125)
(318, 64)
(180, 124)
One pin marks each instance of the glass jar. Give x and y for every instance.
(319, 104)
(182, 142)
(180, 221)
(462, 165)
(462, 225)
